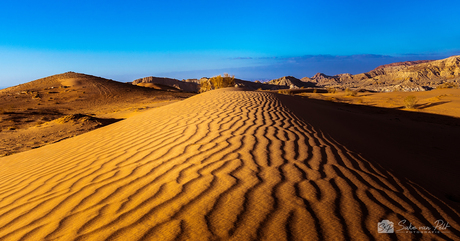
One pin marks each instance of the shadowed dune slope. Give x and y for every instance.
(422, 147)
(227, 164)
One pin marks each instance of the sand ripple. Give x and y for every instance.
(226, 164)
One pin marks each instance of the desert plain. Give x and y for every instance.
(228, 164)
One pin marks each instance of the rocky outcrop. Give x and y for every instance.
(196, 81)
(187, 86)
(403, 76)
(322, 79)
(290, 82)
(405, 63)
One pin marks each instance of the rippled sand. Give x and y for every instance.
(227, 164)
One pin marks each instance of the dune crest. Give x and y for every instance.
(225, 164)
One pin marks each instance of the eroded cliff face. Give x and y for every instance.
(404, 76)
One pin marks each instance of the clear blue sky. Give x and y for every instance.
(124, 40)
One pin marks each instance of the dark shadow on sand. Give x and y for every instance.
(421, 147)
(427, 105)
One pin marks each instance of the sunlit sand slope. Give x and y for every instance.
(221, 165)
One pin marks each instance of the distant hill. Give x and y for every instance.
(72, 80)
(193, 85)
(405, 63)
(76, 89)
(153, 82)
(290, 82)
(63, 105)
(404, 76)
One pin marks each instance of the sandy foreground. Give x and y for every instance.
(226, 164)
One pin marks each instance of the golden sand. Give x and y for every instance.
(231, 165)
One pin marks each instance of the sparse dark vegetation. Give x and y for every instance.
(285, 92)
(205, 85)
(410, 102)
(350, 92)
(217, 82)
(331, 90)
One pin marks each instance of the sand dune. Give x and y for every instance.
(226, 164)
(28, 111)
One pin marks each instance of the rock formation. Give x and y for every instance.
(403, 76)
(290, 82)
